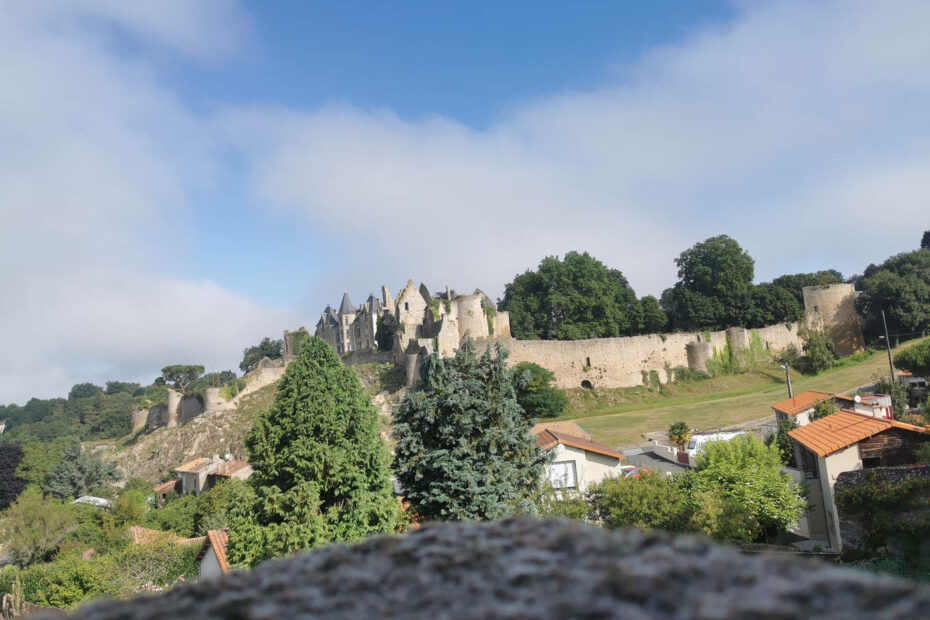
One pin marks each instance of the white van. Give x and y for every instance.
(697, 443)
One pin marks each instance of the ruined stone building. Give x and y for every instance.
(419, 321)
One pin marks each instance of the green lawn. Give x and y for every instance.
(620, 417)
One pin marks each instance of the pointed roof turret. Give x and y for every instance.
(346, 306)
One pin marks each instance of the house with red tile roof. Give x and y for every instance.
(212, 557)
(801, 406)
(846, 441)
(577, 462)
(202, 474)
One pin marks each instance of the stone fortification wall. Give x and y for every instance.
(367, 357)
(835, 305)
(189, 408)
(621, 362)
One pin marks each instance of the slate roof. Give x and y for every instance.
(843, 429)
(346, 306)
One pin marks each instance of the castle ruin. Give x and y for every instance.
(422, 323)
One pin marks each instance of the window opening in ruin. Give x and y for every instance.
(406, 306)
(587, 362)
(587, 385)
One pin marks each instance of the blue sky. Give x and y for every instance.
(180, 178)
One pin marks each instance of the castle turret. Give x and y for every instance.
(174, 405)
(835, 306)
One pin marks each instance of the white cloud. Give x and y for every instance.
(97, 161)
(760, 129)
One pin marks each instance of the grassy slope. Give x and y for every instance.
(711, 404)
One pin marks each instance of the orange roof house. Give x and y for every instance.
(846, 441)
(800, 407)
(212, 556)
(843, 429)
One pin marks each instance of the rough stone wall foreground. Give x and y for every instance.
(522, 568)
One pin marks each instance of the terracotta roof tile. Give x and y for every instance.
(806, 400)
(564, 426)
(549, 438)
(194, 466)
(801, 402)
(166, 486)
(231, 467)
(843, 429)
(218, 540)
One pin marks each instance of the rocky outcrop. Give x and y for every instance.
(154, 454)
(522, 568)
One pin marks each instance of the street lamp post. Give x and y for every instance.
(888, 346)
(788, 378)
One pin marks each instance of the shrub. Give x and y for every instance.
(647, 503)
(535, 392)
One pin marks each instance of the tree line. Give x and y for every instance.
(579, 297)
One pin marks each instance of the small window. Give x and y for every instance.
(562, 475)
(406, 306)
(816, 308)
(587, 362)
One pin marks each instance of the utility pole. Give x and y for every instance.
(888, 346)
(788, 377)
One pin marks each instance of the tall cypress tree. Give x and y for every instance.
(464, 448)
(321, 471)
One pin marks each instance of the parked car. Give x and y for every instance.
(631, 471)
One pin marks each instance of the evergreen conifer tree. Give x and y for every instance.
(321, 473)
(79, 472)
(464, 448)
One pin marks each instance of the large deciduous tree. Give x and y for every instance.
(714, 286)
(536, 392)
(11, 485)
(901, 287)
(570, 299)
(251, 356)
(321, 470)
(915, 360)
(464, 448)
(181, 375)
(795, 283)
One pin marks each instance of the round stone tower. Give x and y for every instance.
(174, 404)
(699, 353)
(471, 318)
(834, 307)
